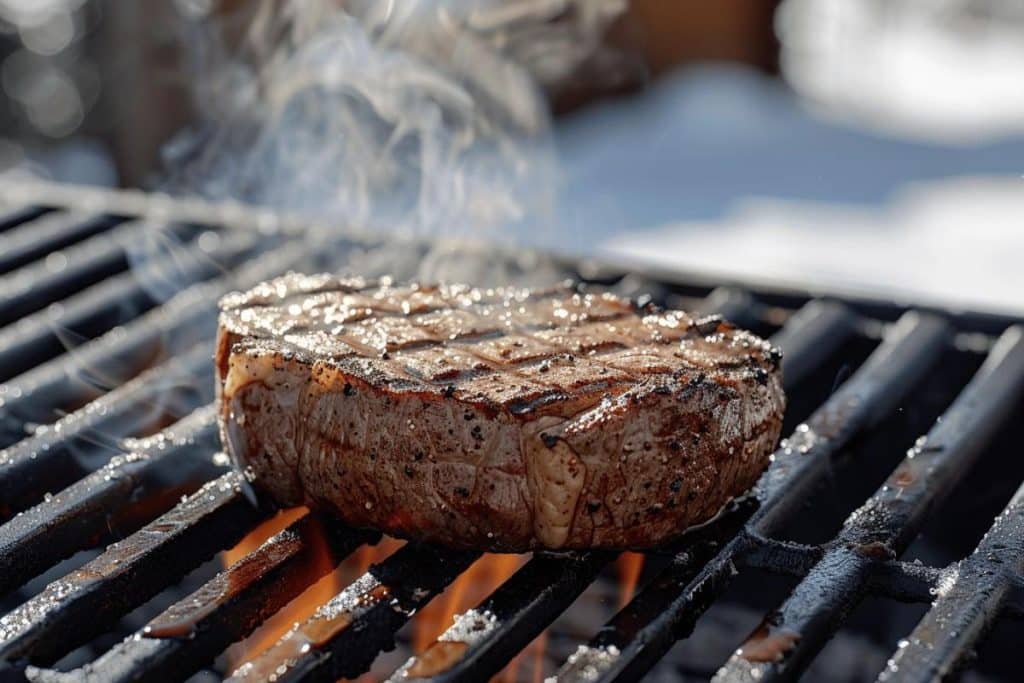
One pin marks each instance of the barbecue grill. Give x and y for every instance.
(904, 429)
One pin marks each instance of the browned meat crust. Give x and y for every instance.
(495, 419)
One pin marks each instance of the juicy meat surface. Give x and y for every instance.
(502, 419)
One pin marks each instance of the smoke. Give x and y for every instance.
(417, 117)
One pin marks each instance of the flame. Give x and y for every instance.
(466, 592)
(272, 629)
(319, 592)
(539, 645)
(534, 652)
(470, 589)
(255, 538)
(360, 561)
(628, 566)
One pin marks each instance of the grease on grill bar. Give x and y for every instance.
(69, 484)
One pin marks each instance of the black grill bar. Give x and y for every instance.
(69, 381)
(482, 641)
(158, 206)
(902, 581)
(13, 215)
(667, 608)
(967, 606)
(910, 348)
(156, 473)
(63, 273)
(735, 305)
(192, 632)
(85, 603)
(913, 582)
(345, 635)
(811, 336)
(906, 581)
(785, 557)
(59, 454)
(46, 333)
(48, 233)
(887, 522)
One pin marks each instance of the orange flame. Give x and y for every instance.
(628, 566)
(315, 595)
(466, 592)
(541, 645)
(534, 652)
(272, 629)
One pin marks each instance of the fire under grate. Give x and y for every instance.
(110, 446)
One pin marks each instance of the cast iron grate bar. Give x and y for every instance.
(142, 483)
(345, 635)
(47, 333)
(57, 455)
(983, 585)
(901, 581)
(62, 273)
(886, 524)
(85, 603)
(192, 632)
(667, 608)
(47, 233)
(13, 215)
(811, 336)
(483, 640)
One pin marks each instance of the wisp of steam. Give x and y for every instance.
(416, 117)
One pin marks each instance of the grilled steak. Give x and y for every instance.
(500, 419)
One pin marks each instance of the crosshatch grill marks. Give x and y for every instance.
(452, 337)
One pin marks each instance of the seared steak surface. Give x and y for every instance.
(503, 419)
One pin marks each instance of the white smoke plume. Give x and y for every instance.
(414, 116)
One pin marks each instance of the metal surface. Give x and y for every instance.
(970, 600)
(188, 634)
(884, 526)
(70, 483)
(87, 601)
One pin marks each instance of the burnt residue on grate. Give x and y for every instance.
(108, 449)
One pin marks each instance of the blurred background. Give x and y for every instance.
(871, 148)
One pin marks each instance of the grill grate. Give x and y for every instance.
(86, 337)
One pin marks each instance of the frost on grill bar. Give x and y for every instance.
(114, 499)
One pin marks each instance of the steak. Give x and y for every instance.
(498, 419)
